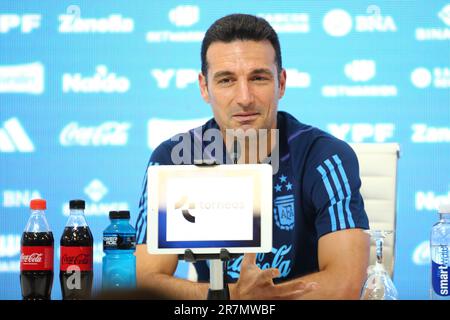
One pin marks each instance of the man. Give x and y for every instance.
(319, 248)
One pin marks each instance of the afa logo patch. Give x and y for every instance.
(283, 205)
(284, 212)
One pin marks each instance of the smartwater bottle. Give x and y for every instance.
(440, 247)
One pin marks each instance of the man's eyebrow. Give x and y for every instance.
(225, 73)
(262, 71)
(221, 74)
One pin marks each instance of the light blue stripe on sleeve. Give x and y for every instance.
(337, 184)
(330, 195)
(347, 190)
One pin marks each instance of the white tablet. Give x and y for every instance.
(209, 208)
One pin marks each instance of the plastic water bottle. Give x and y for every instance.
(440, 249)
(119, 246)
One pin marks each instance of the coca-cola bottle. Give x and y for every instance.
(76, 259)
(36, 255)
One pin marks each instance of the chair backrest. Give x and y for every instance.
(378, 172)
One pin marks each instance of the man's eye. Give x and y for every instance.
(260, 78)
(225, 81)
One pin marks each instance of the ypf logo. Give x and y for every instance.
(13, 137)
(25, 23)
(184, 16)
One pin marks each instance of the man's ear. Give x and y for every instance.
(282, 83)
(203, 87)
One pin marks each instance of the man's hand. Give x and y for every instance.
(257, 284)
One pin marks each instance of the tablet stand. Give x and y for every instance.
(218, 287)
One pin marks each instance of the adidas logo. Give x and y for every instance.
(13, 137)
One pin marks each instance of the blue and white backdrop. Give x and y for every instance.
(88, 89)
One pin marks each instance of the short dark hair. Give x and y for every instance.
(240, 27)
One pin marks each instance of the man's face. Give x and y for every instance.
(243, 86)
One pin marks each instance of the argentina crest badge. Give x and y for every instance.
(283, 206)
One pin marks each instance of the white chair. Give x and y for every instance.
(378, 172)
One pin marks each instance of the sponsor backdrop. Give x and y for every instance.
(88, 90)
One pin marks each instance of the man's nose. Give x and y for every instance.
(244, 95)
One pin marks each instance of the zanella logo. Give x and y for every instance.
(22, 78)
(31, 258)
(423, 133)
(101, 82)
(115, 23)
(107, 134)
(13, 137)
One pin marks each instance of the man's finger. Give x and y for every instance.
(249, 258)
(269, 274)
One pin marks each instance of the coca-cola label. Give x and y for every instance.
(34, 258)
(81, 257)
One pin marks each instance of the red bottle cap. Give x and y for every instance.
(38, 204)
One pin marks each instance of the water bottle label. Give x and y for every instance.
(33, 258)
(82, 257)
(439, 273)
(119, 241)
